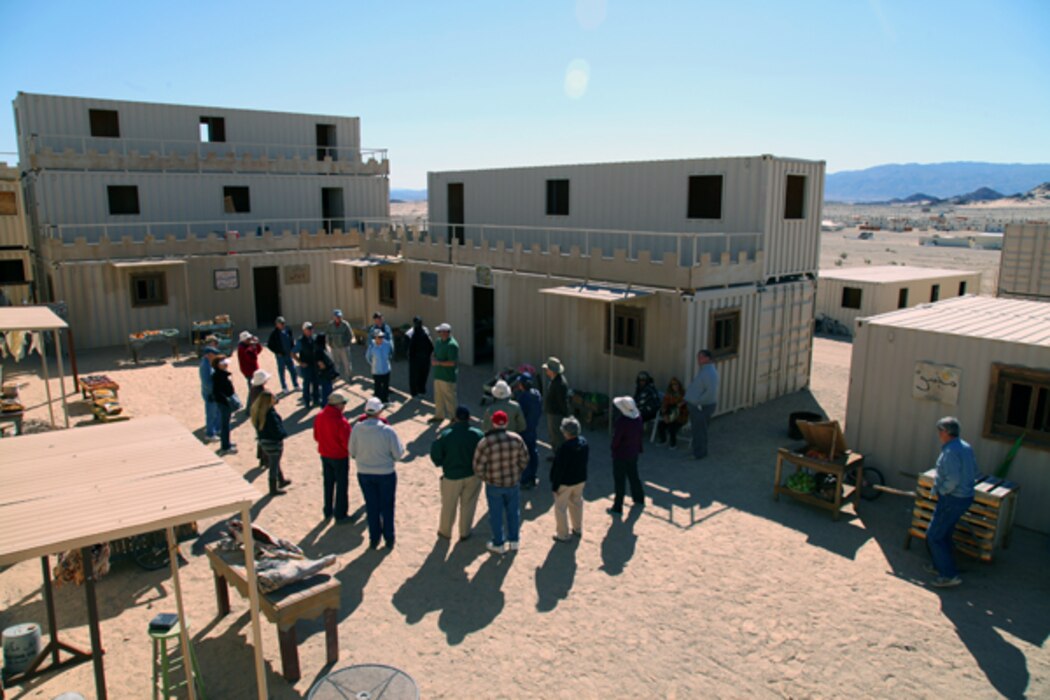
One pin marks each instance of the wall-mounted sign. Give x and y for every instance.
(227, 279)
(297, 274)
(936, 383)
(483, 276)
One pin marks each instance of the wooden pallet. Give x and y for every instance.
(985, 527)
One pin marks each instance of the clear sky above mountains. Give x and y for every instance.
(457, 85)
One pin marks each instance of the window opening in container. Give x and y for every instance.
(795, 197)
(236, 200)
(123, 199)
(104, 123)
(705, 197)
(213, 129)
(902, 298)
(851, 297)
(557, 197)
(935, 292)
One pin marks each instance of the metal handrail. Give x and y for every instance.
(246, 227)
(59, 142)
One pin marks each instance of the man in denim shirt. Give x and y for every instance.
(953, 487)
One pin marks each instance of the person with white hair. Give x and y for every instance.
(340, 339)
(953, 488)
(568, 477)
(502, 401)
(626, 446)
(446, 367)
(375, 447)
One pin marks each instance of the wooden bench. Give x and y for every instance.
(303, 600)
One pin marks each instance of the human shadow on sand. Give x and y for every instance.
(554, 578)
(619, 542)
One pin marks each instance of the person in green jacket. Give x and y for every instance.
(502, 401)
(453, 451)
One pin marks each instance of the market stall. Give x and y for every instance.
(25, 319)
(120, 480)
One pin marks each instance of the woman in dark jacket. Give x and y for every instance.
(646, 397)
(626, 446)
(224, 396)
(420, 350)
(269, 430)
(568, 476)
(326, 371)
(674, 413)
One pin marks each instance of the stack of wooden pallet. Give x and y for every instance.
(101, 392)
(984, 528)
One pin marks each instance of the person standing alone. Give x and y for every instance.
(702, 397)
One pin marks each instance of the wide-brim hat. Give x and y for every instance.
(260, 377)
(501, 390)
(373, 406)
(626, 406)
(554, 365)
(246, 335)
(443, 328)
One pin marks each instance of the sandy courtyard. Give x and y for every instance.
(715, 590)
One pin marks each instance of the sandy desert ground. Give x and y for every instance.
(714, 590)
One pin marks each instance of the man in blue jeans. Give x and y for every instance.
(499, 460)
(212, 417)
(375, 448)
(280, 343)
(702, 397)
(953, 488)
(309, 356)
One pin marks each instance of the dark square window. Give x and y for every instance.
(962, 288)
(724, 333)
(388, 288)
(628, 332)
(428, 284)
(1019, 403)
(213, 129)
(123, 199)
(795, 197)
(8, 204)
(104, 123)
(935, 292)
(235, 200)
(557, 197)
(705, 197)
(902, 298)
(12, 272)
(149, 289)
(851, 298)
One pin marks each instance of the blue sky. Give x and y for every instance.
(449, 85)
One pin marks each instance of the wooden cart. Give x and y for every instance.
(986, 526)
(827, 439)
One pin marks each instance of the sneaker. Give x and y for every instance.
(494, 548)
(945, 582)
(561, 539)
(931, 569)
(464, 538)
(514, 546)
(211, 438)
(232, 450)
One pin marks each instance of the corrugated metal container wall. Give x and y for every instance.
(45, 115)
(785, 339)
(792, 246)
(1024, 268)
(882, 297)
(737, 374)
(452, 304)
(13, 230)
(896, 433)
(81, 198)
(99, 295)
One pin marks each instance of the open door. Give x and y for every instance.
(267, 295)
(484, 325)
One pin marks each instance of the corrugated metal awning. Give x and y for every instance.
(29, 318)
(109, 481)
(145, 263)
(599, 292)
(370, 261)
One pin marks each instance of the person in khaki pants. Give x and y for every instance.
(568, 475)
(453, 451)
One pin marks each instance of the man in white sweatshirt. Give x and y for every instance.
(375, 447)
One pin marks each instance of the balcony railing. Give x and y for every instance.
(228, 228)
(202, 150)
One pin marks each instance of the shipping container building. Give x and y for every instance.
(16, 268)
(1024, 268)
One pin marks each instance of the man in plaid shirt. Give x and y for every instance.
(499, 460)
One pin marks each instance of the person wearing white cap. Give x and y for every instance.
(225, 398)
(502, 401)
(248, 356)
(309, 356)
(626, 446)
(446, 366)
(375, 447)
(340, 338)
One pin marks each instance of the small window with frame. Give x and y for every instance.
(149, 289)
(705, 197)
(902, 298)
(795, 197)
(935, 292)
(724, 333)
(8, 204)
(627, 333)
(1018, 404)
(388, 288)
(213, 129)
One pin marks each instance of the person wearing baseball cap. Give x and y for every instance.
(499, 460)
(309, 356)
(446, 367)
(378, 324)
(280, 343)
(453, 451)
(376, 447)
(531, 404)
(248, 357)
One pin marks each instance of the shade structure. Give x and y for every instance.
(593, 291)
(86, 486)
(369, 261)
(146, 262)
(41, 318)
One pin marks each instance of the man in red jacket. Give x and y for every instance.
(248, 358)
(332, 433)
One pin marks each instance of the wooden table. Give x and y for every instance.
(168, 335)
(302, 600)
(838, 468)
(94, 382)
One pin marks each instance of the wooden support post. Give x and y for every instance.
(253, 597)
(331, 633)
(188, 667)
(222, 594)
(93, 623)
(289, 653)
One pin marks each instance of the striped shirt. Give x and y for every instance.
(500, 458)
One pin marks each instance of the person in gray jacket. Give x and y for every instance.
(340, 338)
(503, 402)
(375, 447)
(702, 395)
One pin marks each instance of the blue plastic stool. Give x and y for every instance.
(166, 664)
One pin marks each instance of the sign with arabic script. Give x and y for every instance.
(936, 383)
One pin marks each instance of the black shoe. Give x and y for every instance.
(345, 520)
(614, 511)
(373, 545)
(276, 490)
(282, 482)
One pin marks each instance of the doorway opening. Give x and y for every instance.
(484, 325)
(332, 209)
(326, 141)
(266, 283)
(455, 212)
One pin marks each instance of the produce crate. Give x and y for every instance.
(985, 527)
(824, 453)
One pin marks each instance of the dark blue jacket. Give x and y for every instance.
(570, 463)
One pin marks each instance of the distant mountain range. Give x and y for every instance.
(936, 181)
(408, 195)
